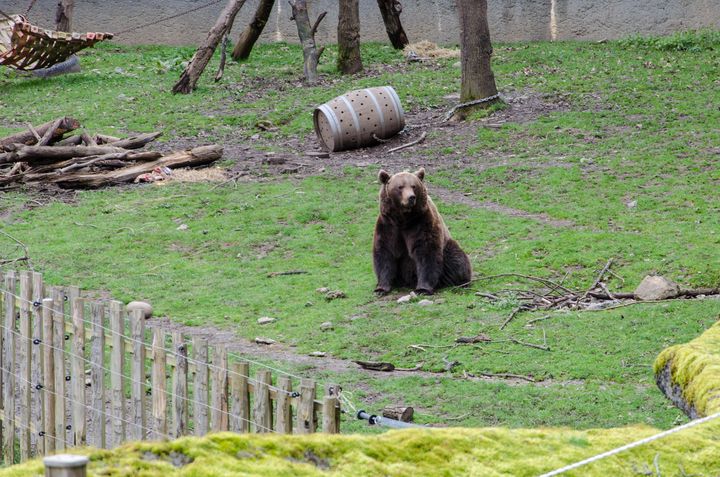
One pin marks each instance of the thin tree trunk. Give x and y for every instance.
(390, 11)
(249, 36)
(63, 15)
(311, 52)
(201, 58)
(477, 81)
(349, 59)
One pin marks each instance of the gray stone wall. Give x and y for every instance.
(435, 20)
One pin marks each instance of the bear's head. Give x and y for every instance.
(404, 191)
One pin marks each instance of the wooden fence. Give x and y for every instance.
(78, 372)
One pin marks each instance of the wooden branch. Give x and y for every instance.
(47, 154)
(510, 318)
(314, 28)
(509, 376)
(87, 140)
(47, 137)
(67, 124)
(250, 35)
(74, 140)
(34, 132)
(530, 345)
(410, 144)
(223, 58)
(189, 78)
(134, 142)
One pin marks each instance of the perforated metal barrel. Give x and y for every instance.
(356, 118)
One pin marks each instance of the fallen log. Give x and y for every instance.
(121, 159)
(64, 125)
(399, 413)
(74, 140)
(196, 157)
(48, 154)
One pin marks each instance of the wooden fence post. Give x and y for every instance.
(117, 378)
(262, 411)
(58, 341)
(137, 324)
(219, 390)
(180, 386)
(240, 397)
(38, 403)
(159, 385)
(329, 420)
(25, 359)
(200, 393)
(9, 369)
(283, 411)
(78, 372)
(306, 409)
(49, 375)
(97, 387)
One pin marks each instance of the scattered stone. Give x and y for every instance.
(318, 354)
(318, 154)
(334, 295)
(182, 227)
(425, 302)
(601, 305)
(407, 298)
(264, 341)
(632, 204)
(145, 307)
(328, 325)
(274, 160)
(656, 287)
(322, 290)
(481, 338)
(265, 320)
(245, 455)
(178, 459)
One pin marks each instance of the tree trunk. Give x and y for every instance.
(63, 15)
(201, 58)
(478, 80)
(348, 33)
(249, 36)
(311, 52)
(390, 11)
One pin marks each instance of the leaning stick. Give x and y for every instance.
(410, 144)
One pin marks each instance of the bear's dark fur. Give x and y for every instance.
(412, 246)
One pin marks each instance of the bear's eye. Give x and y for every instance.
(400, 187)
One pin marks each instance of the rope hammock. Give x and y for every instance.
(24, 46)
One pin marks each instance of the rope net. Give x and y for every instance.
(24, 46)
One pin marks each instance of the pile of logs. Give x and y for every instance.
(52, 154)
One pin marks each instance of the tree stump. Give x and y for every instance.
(189, 78)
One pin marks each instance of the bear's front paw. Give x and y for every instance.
(381, 291)
(424, 291)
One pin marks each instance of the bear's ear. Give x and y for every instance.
(383, 176)
(420, 173)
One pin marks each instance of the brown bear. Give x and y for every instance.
(412, 246)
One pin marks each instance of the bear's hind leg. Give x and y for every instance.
(457, 269)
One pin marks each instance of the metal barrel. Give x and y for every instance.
(356, 118)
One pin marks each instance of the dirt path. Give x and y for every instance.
(283, 356)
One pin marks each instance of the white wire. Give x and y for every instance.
(167, 350)
(130, 379)
(632, 445)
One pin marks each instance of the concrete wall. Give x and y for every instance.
(435, 20)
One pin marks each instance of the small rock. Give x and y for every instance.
(264, 341)
(655, 287)
(318, 354)
(407, 298)
(318, 154)
(328, 325)
(601, 305)
(334, 295)
(182, 227)
(140, 305)
(632, 204)
(425, 302)
(322, 290)
(265, 320)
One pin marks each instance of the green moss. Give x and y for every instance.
(695, 367)
(487, 452)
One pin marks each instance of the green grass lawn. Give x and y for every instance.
(641, 126)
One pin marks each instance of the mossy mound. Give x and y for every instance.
(417, 452)
(690, 373)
